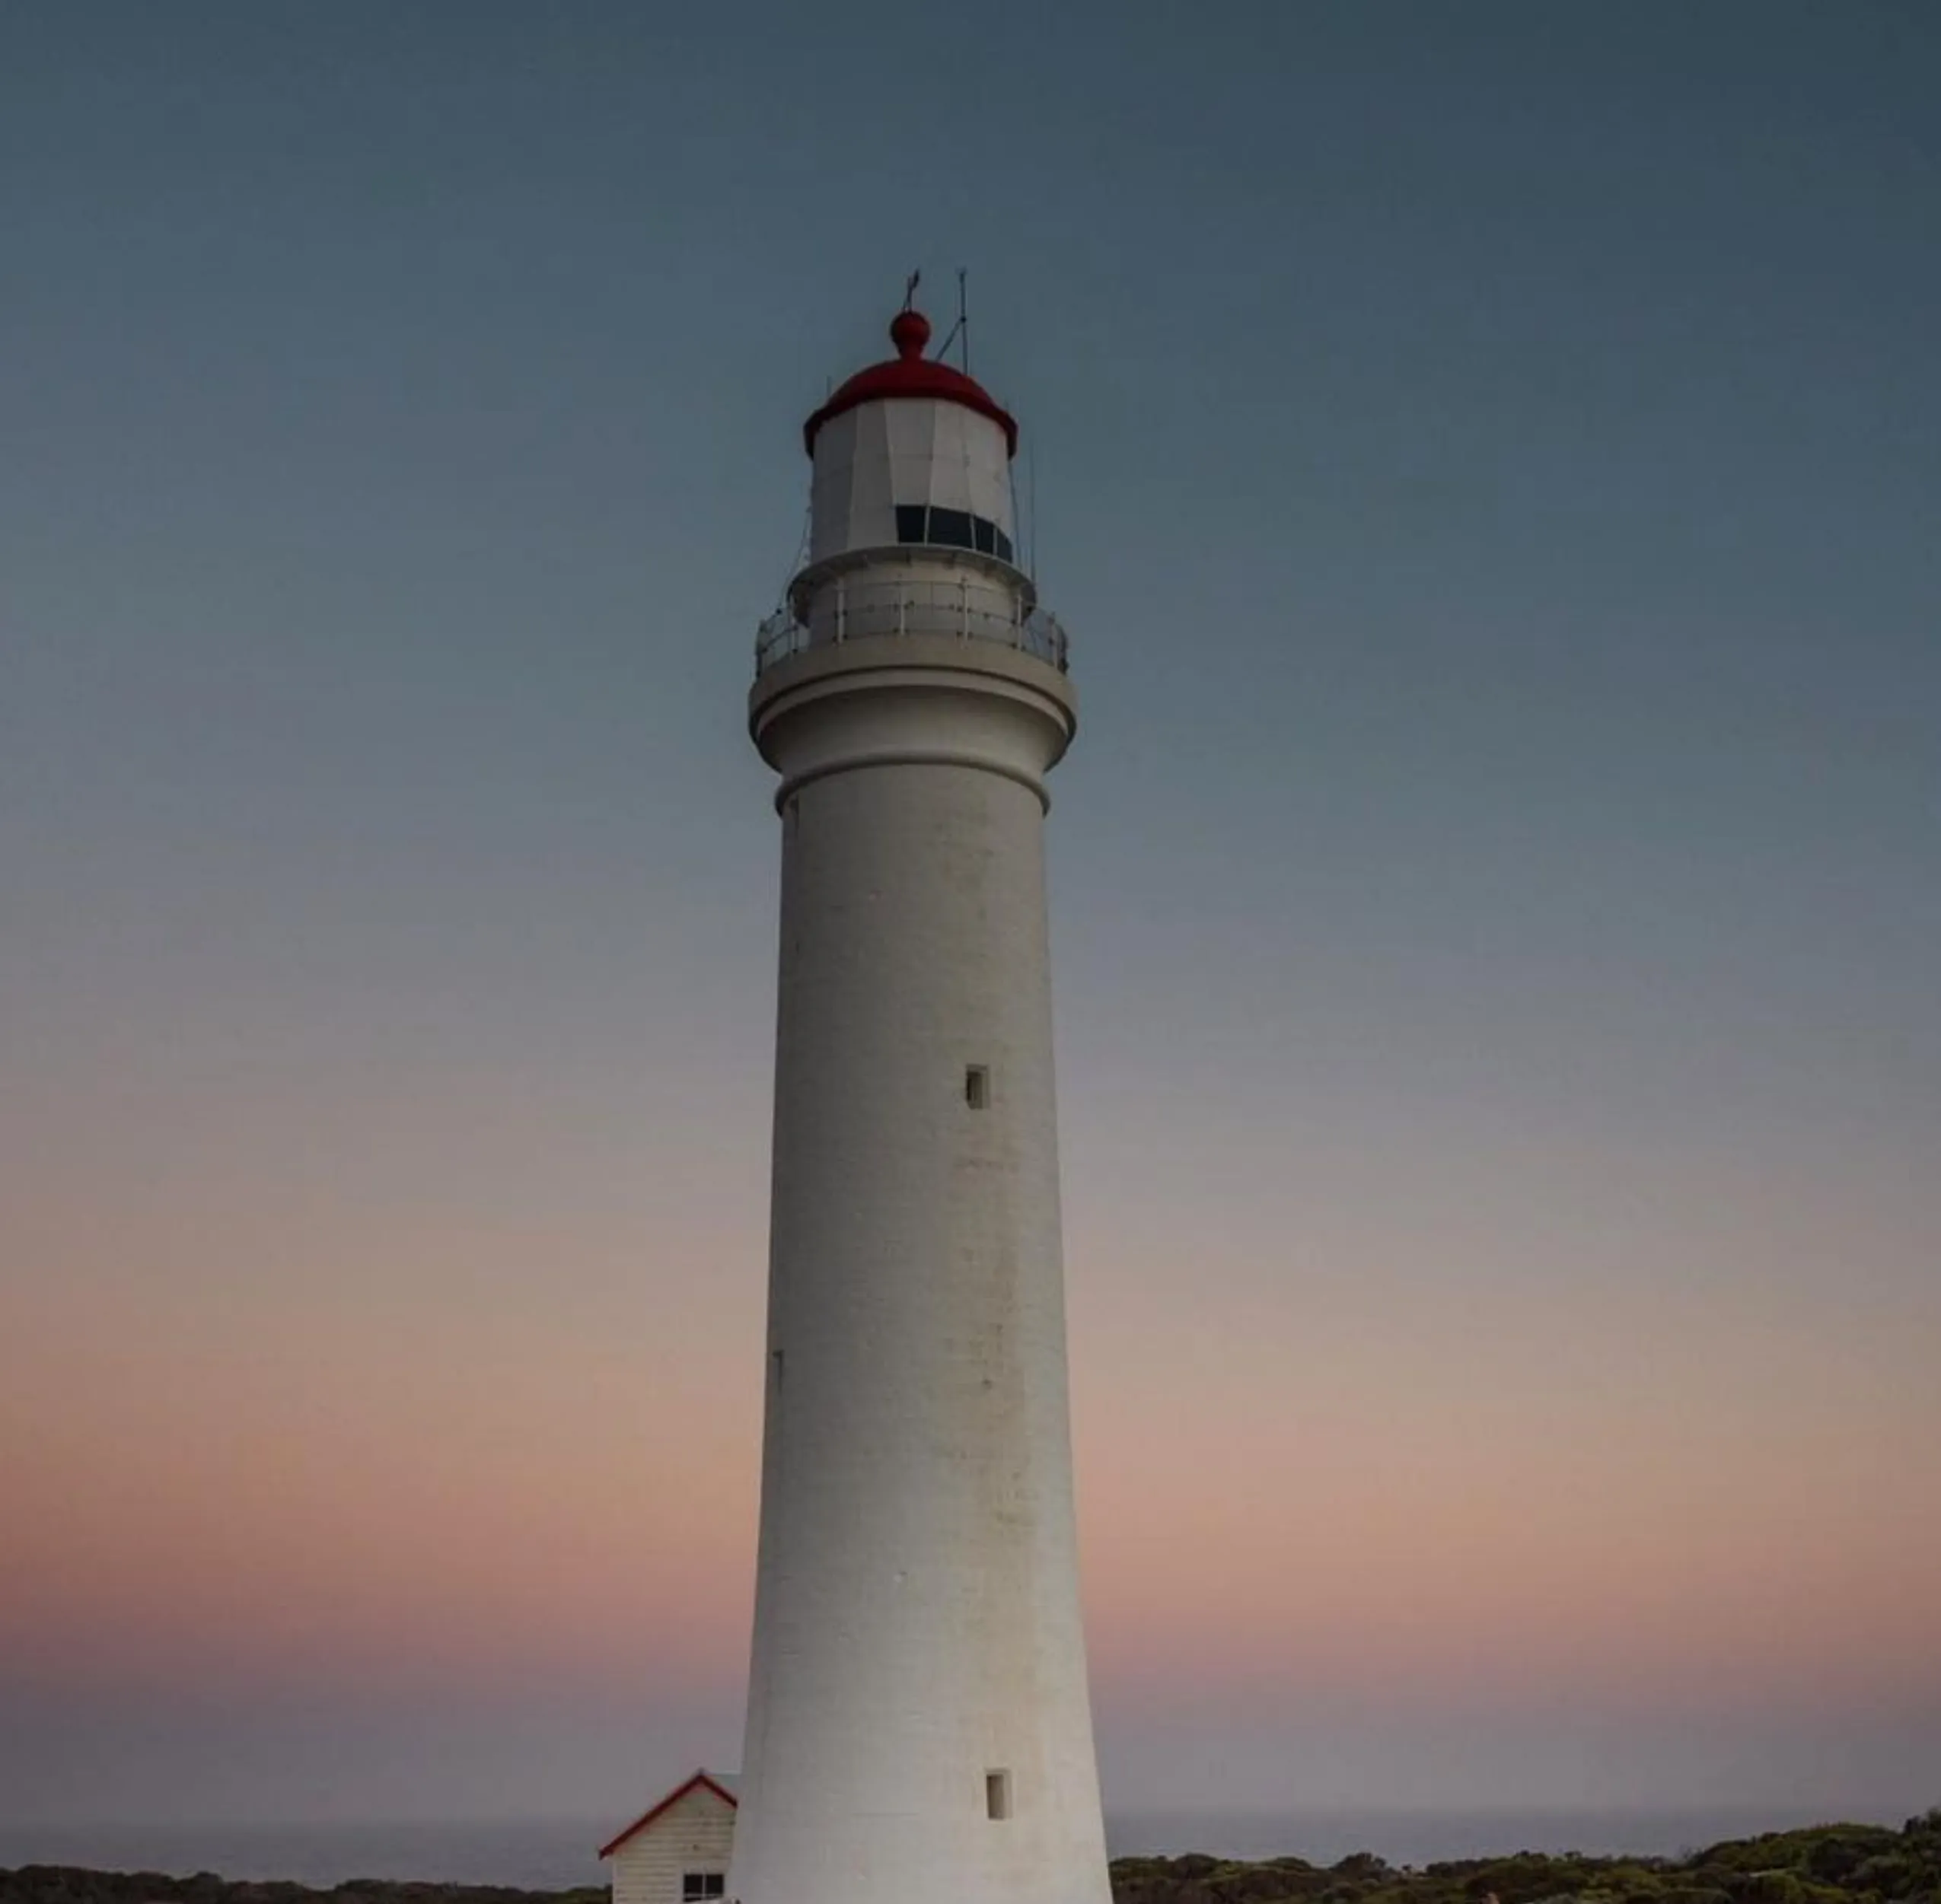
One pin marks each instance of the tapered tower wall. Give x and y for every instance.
(919, 1721)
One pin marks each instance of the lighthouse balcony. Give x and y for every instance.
(866, 603)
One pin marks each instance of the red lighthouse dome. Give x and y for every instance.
(909, 373)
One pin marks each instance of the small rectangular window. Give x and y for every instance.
(986, 533)
(910, 522)
(952, 527)
(1003, 542)
(997, 1795)
(701, 1887)
(977, 1086)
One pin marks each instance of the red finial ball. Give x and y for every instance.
(910, 331)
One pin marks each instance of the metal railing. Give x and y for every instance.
(969, 608)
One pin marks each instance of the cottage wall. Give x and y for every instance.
(695, 1833)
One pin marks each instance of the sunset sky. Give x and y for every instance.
(1488, 460)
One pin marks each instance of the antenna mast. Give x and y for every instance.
(961, 330)
(1032, 521)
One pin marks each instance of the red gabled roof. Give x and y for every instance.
(911, 373)
(654, 1811)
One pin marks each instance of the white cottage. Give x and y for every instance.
(676, 1850)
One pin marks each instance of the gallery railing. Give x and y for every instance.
(968, 607)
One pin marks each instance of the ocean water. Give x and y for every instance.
(555, 1854)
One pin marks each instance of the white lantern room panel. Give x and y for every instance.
(829, 491)
(987, 459)
(872, 509)
(912, 432)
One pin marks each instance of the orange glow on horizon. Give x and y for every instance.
(399, 1445)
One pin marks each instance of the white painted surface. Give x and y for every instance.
(915, 592)
(917, 1620)
(695, 1833)
(906, 450)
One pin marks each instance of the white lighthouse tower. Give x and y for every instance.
(919, 1728)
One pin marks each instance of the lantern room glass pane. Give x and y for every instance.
(950, 528)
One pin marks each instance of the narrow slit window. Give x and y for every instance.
(977, 1086)
(997, 1795)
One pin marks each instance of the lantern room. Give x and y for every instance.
(911, 531)
(912, 454)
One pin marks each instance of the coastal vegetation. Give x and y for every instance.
(1825, 1864)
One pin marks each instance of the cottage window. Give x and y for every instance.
(699, 1887)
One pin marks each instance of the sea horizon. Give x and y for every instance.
(560, 1853)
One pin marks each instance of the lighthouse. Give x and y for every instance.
(919, 1722)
